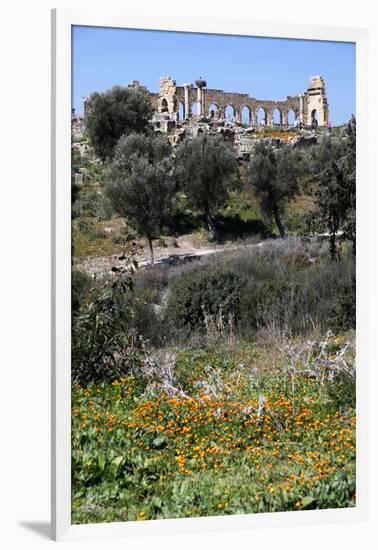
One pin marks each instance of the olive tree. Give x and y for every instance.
(205, 166)
(273, 176)
(335, 194)
(141, 184)
(116, 112)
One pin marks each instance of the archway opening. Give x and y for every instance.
(261, 116)
(246, 115)
(213, 110)
(314, 119)
(194, 108)
(181, 111)
(277, 117)
(291, 117)
(164, 105)
(229, 113)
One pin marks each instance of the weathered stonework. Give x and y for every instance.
(188, 100)
(189, 109)
(315, 104)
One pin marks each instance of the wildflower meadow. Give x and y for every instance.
(236, 436)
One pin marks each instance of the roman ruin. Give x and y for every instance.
(190, 101)
(192, 109)
(197, 101)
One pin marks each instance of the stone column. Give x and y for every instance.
(199, 101)
(186, 100)
(284, 118)
(301, 109)
(203, 110)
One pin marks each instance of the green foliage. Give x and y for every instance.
(181, 219)
(81, 287)
(75, 165)
(104, 344)
(205, 167)
(335, 194)
(91, 204)
(343, 312)
(289, 287)
(241, 443)
(203, 292)
(273, 176)
(112, 114)
(89, 228)
(141, 185)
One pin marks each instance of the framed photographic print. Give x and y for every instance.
(209, 256)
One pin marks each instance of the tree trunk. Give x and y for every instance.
(279, 225)
(151, 250)
(213, 230)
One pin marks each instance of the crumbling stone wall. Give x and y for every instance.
(173, 102)
(315, 105)
(172, 96)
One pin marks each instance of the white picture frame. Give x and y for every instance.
(62, 21)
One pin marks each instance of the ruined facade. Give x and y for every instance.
(188, 100)
(197, 101)
(192, 109)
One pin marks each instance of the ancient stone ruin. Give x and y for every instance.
(188, 101)
(192, 109)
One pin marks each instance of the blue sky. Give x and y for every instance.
(265, 68)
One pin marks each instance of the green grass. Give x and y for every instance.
(145, 455)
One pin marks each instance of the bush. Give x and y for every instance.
(105, 346)
(81, 287)
(202, 293)
(289, 286)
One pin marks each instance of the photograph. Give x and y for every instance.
(213, 274)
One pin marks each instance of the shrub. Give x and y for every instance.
(200, 293)
(289, 285)
(81, 287)
(105, 346)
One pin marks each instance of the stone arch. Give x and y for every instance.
(261, 116)
(229, 112)
(245, 115)
(277, 116)
(164, 105)
(181, 110)
(213, 110)
(291, 117)
(314, 114)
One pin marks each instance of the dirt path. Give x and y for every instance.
(97, 266)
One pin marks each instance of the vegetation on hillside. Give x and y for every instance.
(226, 430)
(113, 114)
(224, 384)
(141, 184)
